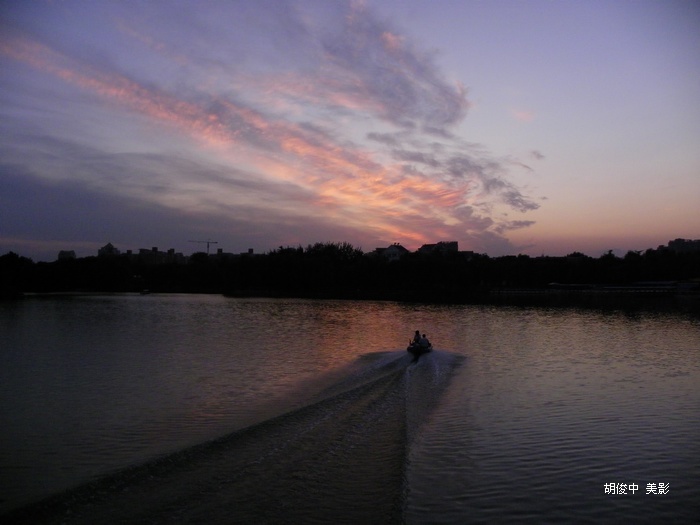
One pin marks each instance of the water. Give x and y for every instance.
(287, 411)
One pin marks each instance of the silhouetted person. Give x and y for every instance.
(423, 342)
(419, 346)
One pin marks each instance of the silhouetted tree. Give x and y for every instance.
(342, 270)
(15, 275)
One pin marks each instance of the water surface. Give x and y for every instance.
(521, 413)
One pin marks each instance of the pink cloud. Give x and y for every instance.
(409, 186)
(523, 115)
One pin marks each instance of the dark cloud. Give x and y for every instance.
(512, 225)
(135, 175)
(515, 199)
(380, 65)
(438, 132)
(389, 139)
(416, 156)
(490, 174)
(67, 214)
(71, 211)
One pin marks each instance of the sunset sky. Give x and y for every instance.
(534, 127)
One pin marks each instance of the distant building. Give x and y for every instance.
(442, 247)
(393, 252)
(684, 246)
(152, 256)
(174, 257)
(66, 255)
(221, 255)
(108, 250)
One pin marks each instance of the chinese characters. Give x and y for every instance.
(632, 488)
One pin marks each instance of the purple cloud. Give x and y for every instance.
(319, 119)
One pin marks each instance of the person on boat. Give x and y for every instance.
(423, 342)
(416, 338)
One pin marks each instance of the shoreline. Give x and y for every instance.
(603, 297)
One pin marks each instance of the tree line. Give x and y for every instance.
(340, 270)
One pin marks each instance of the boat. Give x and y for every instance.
(418, 350)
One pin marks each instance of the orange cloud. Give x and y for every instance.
(154, 104)
(344, 181)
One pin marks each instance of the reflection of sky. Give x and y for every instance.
(510, 127)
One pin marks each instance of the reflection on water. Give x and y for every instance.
(552, 405)
(89, 384)
(547, 406)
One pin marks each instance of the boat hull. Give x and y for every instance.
(418, 350)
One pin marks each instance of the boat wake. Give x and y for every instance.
(341, 458)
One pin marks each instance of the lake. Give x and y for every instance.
(188, 408)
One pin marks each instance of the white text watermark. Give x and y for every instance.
(633, 488)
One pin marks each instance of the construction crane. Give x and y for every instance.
(207, 242)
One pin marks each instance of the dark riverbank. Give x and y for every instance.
(340, 271)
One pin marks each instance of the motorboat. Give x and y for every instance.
(417, 349)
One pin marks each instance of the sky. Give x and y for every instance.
(513, 127)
